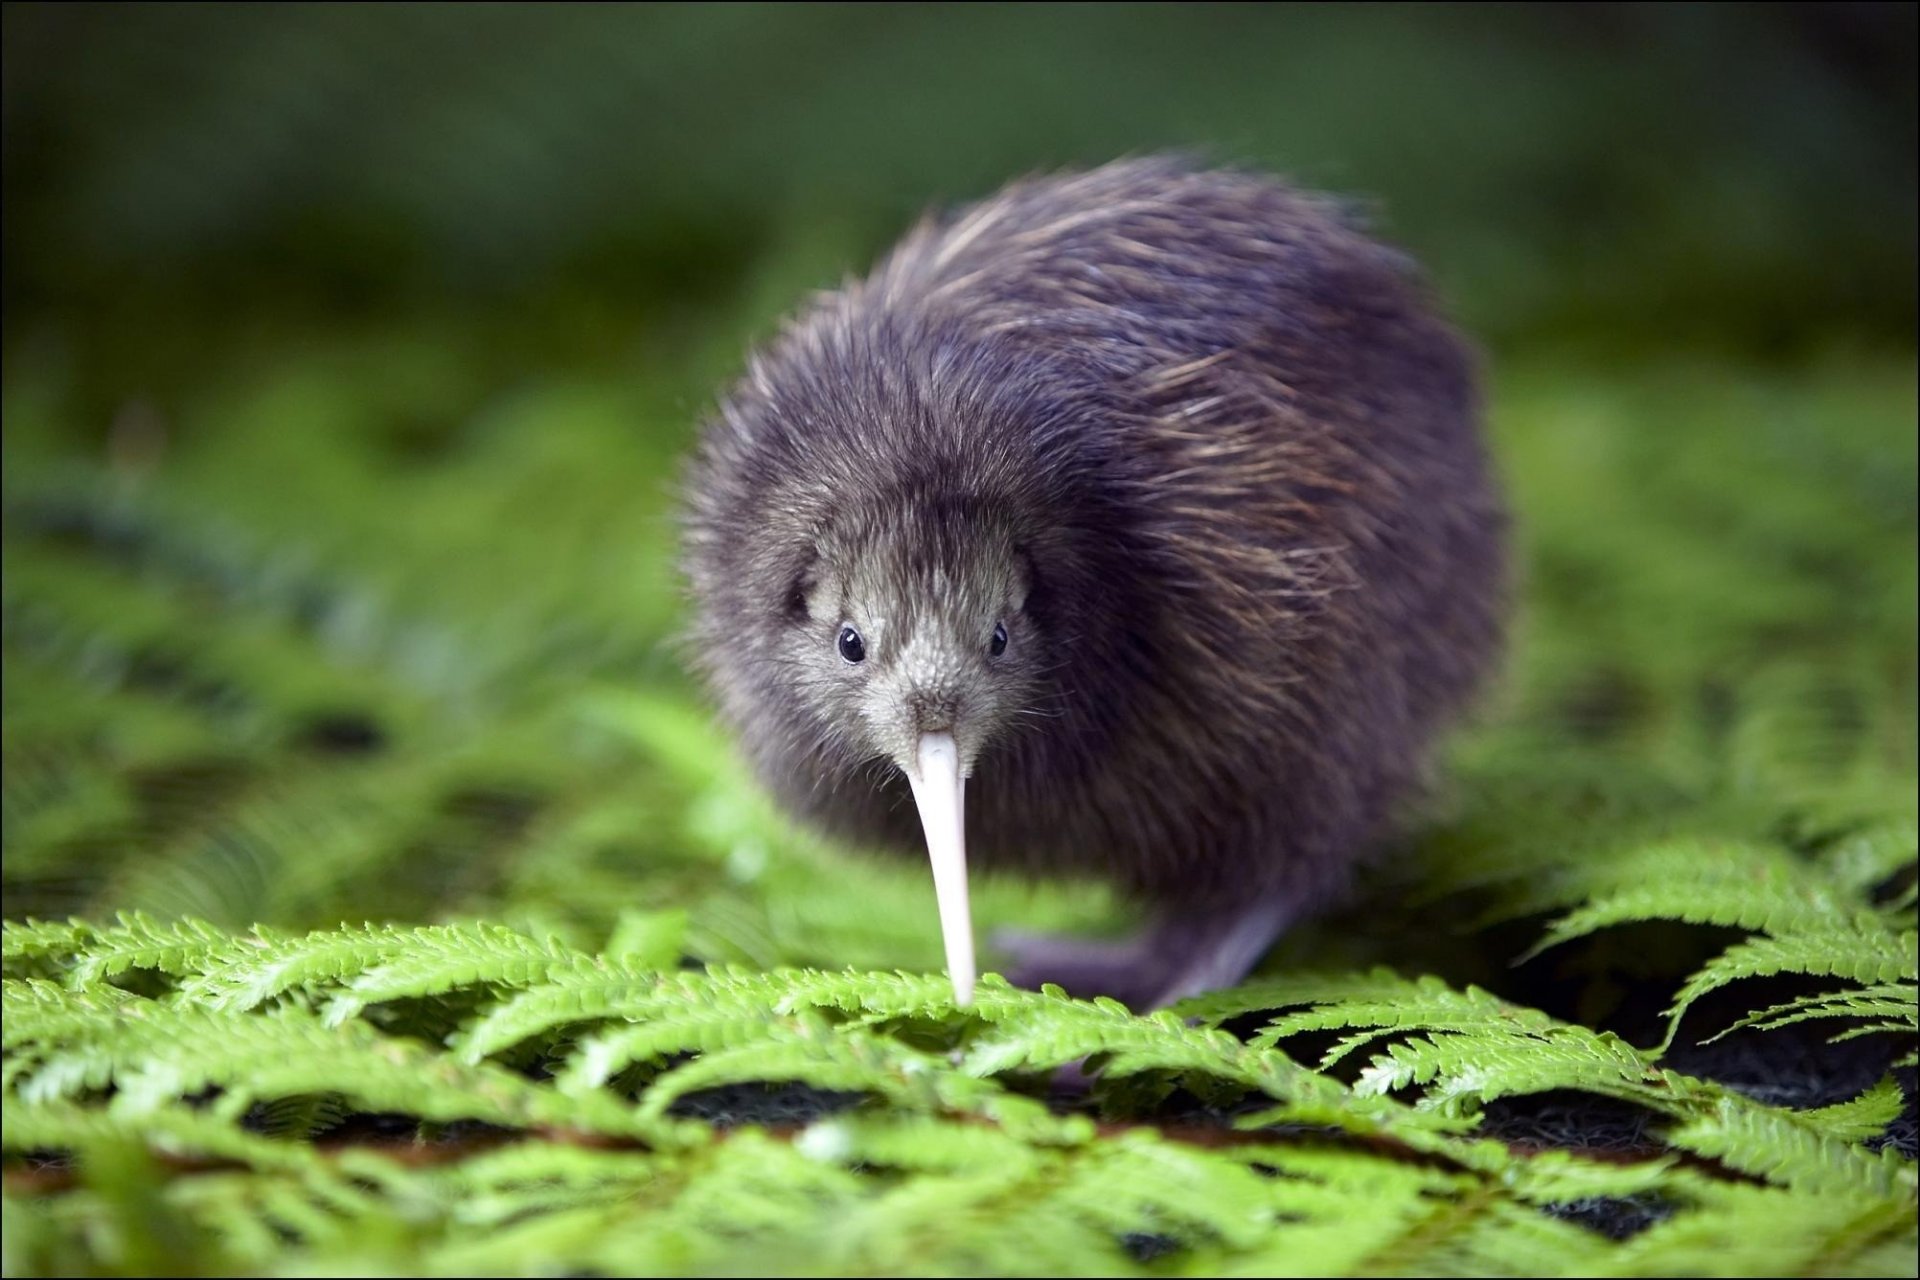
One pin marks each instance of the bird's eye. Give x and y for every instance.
(852, 647)
(999, 645)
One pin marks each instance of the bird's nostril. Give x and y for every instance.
(934, 712)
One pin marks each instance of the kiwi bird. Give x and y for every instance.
(1132, 523)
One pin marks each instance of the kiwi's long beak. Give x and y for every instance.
(941, 792)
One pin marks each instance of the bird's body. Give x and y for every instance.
(1159, 492)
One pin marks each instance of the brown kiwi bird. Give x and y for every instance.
(1134, 524)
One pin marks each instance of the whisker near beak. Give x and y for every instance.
(940, 793)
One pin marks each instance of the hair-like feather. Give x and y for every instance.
(1222, 449)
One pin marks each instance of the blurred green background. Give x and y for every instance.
(349, 352)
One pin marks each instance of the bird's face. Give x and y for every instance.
(915, 625)
(913, 644)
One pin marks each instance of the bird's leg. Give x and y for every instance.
(1181, 953)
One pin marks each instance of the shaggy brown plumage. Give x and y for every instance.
(1162, 489)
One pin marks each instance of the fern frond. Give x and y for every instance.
(539, 1164)
(1560, 1177)
(1143, 1182)
(267, 967)
(923, 1144)
(595, 989)
(299, 1115)
(1488, 1235)
(155, 1054)
(24, 940)
(1050, 1188)
(61, 1125)
(1258, 995)
(1892, 1000)
(138, 941)
(1856, 1119)
(1874, 1028)
(1339, 1233)
(48, 1028)
(1057, 1030)
(1866, 955)
(1794, 1152)
(1463, 1070)
(848, 1058)
(441, 958)
(1474, 1046)
(1745, 886)
(697, 1030)
(1739, 1230)
(1385, 1005)
(584, 991)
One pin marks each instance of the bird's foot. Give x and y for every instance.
(1179, 955)
(1124, 970)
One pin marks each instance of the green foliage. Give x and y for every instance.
(949, 1163)
(372, 621)
(215, 749)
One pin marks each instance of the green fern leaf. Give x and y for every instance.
(1739, 886)
(1461, 1071)
(1794, 1151)
(179, 947)
(807, 1048)
(1892, 1000)
(921, 1144)
(1866, 1116)
(1143, 1182)
(441, 958)
(1259, 995)
(585, 990)
(1868, 956)
(1385, 1008)
(40, 940)
(154, 1054)
(267, 967)
(701, 1029)
(59, 1125)
(1561, 1177)
(51, 1033)
(1755, 1231)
